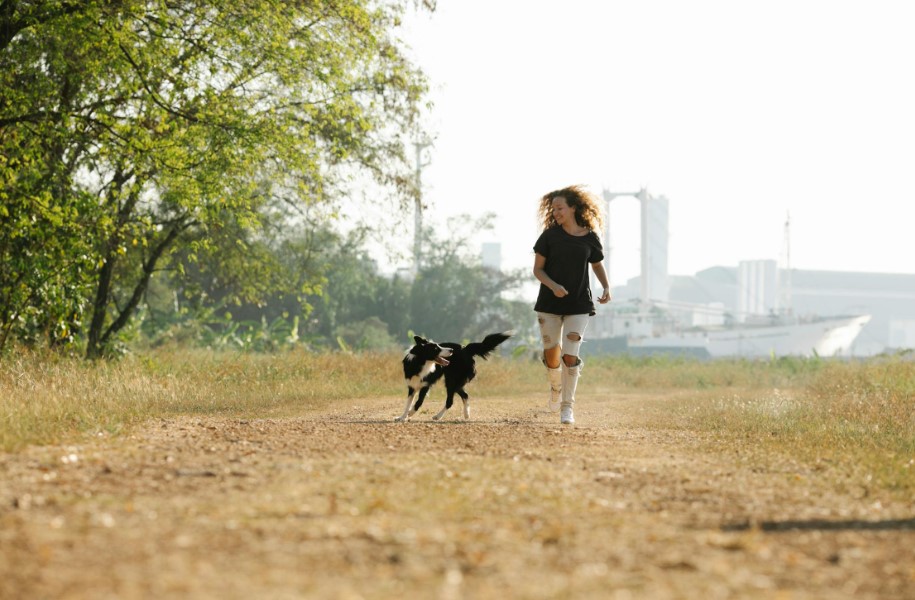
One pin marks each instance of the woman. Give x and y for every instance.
(569, 243)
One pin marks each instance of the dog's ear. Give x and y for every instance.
(419, 340)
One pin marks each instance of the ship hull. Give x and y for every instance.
(823, 337)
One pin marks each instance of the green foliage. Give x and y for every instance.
(368, 334)
(179, 124)
(44, 261)
(455, 298)
(355, 307)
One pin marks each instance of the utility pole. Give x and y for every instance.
(784, 290)
(418, 209)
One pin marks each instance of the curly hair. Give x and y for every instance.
(585, 204)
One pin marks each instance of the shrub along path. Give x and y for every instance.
(341, 502)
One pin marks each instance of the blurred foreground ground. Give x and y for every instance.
(341, 502)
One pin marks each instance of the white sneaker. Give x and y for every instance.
(555, 400)
(567, 418)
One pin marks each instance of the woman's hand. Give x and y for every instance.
(605, 297)
(560, 291)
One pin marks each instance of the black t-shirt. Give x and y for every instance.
(568, 258)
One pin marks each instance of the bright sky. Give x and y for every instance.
(739, 112)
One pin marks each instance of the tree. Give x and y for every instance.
(178, 121)
(354, 305)
(455, 298)
(44, 250)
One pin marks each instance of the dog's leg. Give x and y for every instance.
(448, 404)
(419, 401)
(406, 411)
(465, 398)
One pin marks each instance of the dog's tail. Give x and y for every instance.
(489, 343)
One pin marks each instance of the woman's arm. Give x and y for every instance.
(601, 275)
(539, 272)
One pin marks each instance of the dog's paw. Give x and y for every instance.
(400, 419)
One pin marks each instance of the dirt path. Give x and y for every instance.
(347, 504)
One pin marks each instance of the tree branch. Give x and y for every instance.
(149, 267)
(155, 97)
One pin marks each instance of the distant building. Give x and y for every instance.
(654, 241)
(888, 298)
(757, 288)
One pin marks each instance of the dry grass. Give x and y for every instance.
(855, 413)
(46, 399)
(856, 417)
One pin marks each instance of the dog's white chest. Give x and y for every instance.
(416, 381)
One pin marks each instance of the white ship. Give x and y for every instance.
(657, 331)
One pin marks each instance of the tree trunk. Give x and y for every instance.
(100, 308)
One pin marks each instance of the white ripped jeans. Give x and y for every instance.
(554, 327)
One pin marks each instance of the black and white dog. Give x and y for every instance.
(426, 363)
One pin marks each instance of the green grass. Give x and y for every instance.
(857, 413)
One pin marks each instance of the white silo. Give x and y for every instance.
(757, 288)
